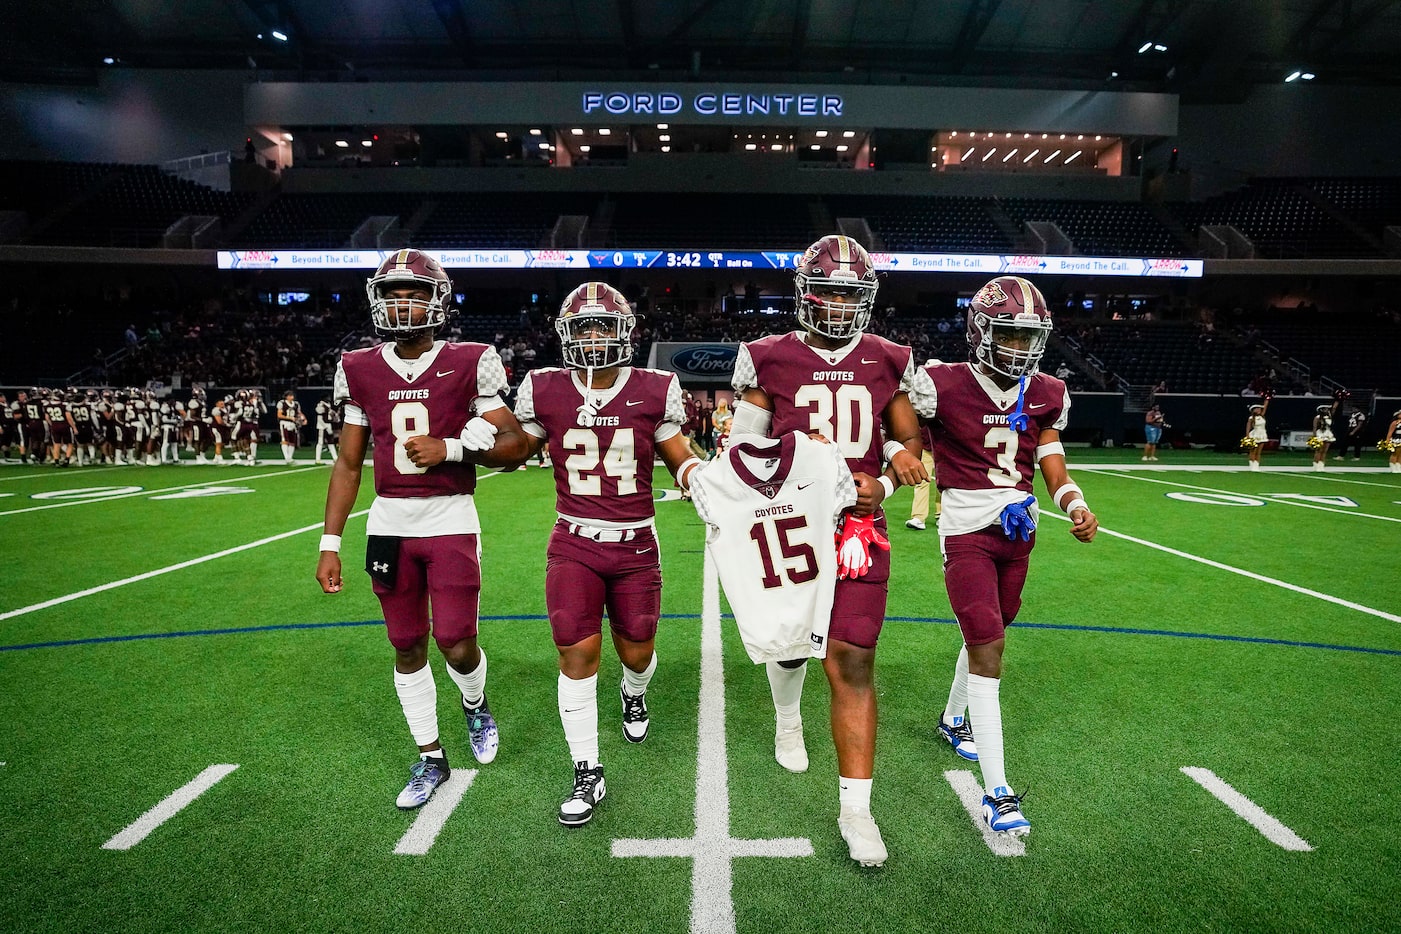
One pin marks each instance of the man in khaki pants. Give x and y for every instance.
(919, 508)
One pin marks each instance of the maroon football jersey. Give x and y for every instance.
(974, 449)
(842, 400)
(438, 402)
(603, 463)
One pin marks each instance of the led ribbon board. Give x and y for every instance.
(981, 263)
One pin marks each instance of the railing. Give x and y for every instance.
(201, 161)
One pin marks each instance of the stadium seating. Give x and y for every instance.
(1281, 221)
(750, 221)
(319, 221)
(926, 224)
(514, 220)
(1101, 228)
(1358, 351)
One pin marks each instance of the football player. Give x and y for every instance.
(993, 420)
(62, 429)
(414, 395)
(289, 422)
(197, 423)
(605, 422)
(834, 380)
(325, 428)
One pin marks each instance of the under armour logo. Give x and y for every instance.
(381, 566)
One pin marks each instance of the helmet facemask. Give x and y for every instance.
(595, 337)
(834, 308)
(1011, 346)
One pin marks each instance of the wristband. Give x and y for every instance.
(685, 470)
(887, 484)
(1076, 503)
(1046, 450)
(1068, 491)
(454, 446)
(890, 449)
(331, 543)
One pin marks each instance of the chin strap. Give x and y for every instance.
(589, 410)
(1019, 420)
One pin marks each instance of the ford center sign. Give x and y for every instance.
(696, 363)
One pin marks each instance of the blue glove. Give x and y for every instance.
(1016, 519)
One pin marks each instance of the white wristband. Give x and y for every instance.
(890, 449)
(331, 543)
(886, 484)
(454, 446)
(684, 472)
(1075, 504)
(1068, 492)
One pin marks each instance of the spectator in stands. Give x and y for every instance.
(1356, 424)
(130, 336)
(1153, 425)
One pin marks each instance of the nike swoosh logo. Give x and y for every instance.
(633, 402)
(1038, 405)
(804, 486)
(864, 360)
(442, 373)
(574, 710)
(643, 551)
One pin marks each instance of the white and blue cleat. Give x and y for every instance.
(1002, 811)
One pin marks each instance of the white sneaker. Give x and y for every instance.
(915, 523)
(862, 836)
(788, 748)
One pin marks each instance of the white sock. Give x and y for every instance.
(332, 449)
(472, 684)
(418, 695)
(635, 682)
(578, 711)
(958, 692)
(252, 452)
(786, 686)
(985, 710)
(439, 753)
(854, 792)
(286, 452)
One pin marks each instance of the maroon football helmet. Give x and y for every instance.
(836, 287)
(595, 326)
(409, 269)
(1008, 325)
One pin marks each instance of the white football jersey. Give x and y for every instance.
(772, 508)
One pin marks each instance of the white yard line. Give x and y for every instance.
(157, 491)
(165, 570)
(418, 839)
(1242, 572)
(1329, 477)
(1247, 810)
(178, 800)
(966, 786)
(1208, 489)
(79, 472)
(712, 848)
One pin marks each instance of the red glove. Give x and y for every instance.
(853, 546)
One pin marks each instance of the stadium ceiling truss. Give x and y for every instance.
(1201, 49)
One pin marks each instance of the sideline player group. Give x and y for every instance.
(434, 410)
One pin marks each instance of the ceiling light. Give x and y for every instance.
(1050, 157)
(584, 148)
(663, 126)
(279, 36)
(109, 60)
(665, 137)
(1098, 138)
(367, 143)
(1159, 47)
(1043, 135)
(342, 144)
(287, 137)
(577, 131)
(1026, 136)
(953, 134)
(534, 132)
(1308, 76)
(776, 147)
(1144, 47)
(666, 149)
(1081, 136)
(751, 146)
(989, 153)
(1009, 155)
(544, 145)
(815, 146)
(848, 134)
(1074, 157)
(604, 131)
(1029, 156)
(1062, 136)
(500, 134)
(842, 147)
(1008, 136)
(1293, 75)
(821, 134)
(966, 153)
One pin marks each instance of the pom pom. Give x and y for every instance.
(1248, 443)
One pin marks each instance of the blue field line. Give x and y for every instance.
(1115, 630)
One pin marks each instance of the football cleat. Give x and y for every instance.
(424, 778)
(635, 721)
(589, 789)
(862, 836)
(788, 748)
(916, 523)
(481, 731)
(959, 735)
(1002, 811)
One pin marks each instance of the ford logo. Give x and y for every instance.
(706, 360)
